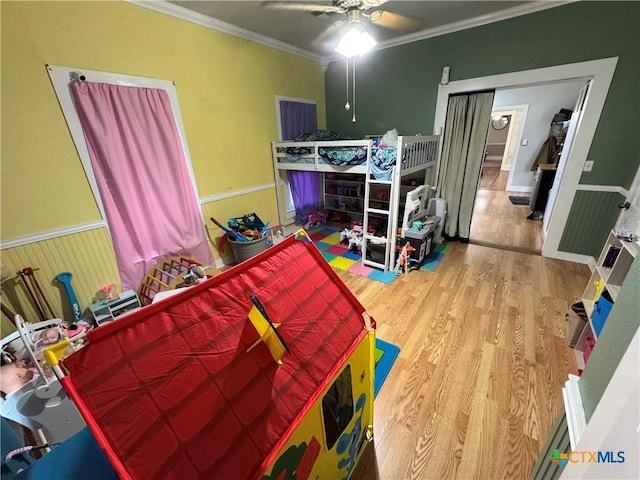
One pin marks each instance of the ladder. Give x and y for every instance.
(374, 241)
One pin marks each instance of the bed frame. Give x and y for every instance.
(414, 154)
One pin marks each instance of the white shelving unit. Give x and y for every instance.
(344, 192)
(611, 270)
(107, 311)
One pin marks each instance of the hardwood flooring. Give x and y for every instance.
(498, 222)
(478, 382)
(493, 178)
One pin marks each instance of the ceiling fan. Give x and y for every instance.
(354, 11)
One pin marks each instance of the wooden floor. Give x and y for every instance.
(483, 359)
(496, 221)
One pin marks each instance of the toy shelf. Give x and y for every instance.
(611, 270)
(343, 197)
(107, 311)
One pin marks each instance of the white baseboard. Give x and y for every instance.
(574, 257)
(519, 188)
(225, 261)
(576, 420)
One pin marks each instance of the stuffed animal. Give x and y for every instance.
(353, 238)
(355, 244)
(344, 236)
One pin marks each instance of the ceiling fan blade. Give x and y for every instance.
(396, 21)
(327, 39)
(303, 6)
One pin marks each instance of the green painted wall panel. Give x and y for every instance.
(616, 335)
(592, 216)
(397, 87)
(558, 438)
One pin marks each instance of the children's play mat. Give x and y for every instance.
(340, 257)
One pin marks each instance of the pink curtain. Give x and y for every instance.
(142, 176)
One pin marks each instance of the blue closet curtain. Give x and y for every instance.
(297, 118)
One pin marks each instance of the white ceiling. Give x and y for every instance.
(315, 36)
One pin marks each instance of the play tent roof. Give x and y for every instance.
(170, 392)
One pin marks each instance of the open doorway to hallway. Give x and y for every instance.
(520, 126)
(601, 73)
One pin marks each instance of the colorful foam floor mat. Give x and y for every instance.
(327, 240)
(385, 355)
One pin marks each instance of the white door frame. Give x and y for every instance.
(524, 108)
(283, 190)
(601, 72)
(569, 141)
(61, 76)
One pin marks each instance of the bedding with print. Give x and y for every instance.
(317, 136)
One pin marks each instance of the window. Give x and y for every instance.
(130, 139)
(295, 116)
(337, 407)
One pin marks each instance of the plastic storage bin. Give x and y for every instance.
(438, 207)
(601, 311)
(245, 250)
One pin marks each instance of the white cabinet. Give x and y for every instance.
(609, 275)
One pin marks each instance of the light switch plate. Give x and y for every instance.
(445, 75)
(588, 165)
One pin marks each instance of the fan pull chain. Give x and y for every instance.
(353, 119)
(346, 105)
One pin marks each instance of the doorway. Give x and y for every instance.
(601, 71)
(500, 211)
(510, 212)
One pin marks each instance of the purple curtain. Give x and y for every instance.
(142, 176)
(297, 118)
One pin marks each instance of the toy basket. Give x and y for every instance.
(245, 250)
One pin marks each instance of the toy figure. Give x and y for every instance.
(353, 238)
(316, 218)
(402, 264)
(105, 294)
(49, 336)
(355, 243)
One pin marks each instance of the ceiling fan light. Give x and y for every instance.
(355, 42)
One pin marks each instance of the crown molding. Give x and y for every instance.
(182, 13)
(162, 6)
(474, 22)
(493, 17)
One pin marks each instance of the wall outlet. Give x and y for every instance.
(588, 165)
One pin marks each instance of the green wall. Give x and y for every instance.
(397, 87)
(592, 216)
(622, 324)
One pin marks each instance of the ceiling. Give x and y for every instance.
(316, 35)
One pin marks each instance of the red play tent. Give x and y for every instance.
(169, 391)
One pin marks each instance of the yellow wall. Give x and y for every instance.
(226, 88)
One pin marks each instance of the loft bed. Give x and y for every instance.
(383, 165)
(409, 154)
